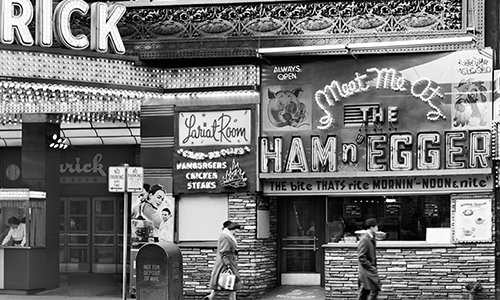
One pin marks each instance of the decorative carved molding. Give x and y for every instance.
(292, 19)
(237, 30)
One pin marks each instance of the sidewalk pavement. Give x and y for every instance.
(78, 287)
(296, 292)
(279, 293)
(109, 287)
(57, 297)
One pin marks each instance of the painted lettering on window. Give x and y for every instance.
(95, 166)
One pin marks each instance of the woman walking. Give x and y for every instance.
(226, 259)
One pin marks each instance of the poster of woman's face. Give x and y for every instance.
(157, 198)
(147, 221)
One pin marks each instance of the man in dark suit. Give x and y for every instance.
(368, 280)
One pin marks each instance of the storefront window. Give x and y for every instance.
(400, 217)
(201, 217)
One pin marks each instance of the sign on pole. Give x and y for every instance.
(116, 179)
(126, 180)
(135, 178)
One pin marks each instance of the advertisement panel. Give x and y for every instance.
(376, 115)
(472, 219)
(379, 185)
(215, 150)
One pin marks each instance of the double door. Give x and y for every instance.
(90, 235)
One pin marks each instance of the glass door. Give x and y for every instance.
(301, 234)
(90, 236)
(74, 235)
(106, 240)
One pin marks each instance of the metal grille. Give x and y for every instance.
(353, 114)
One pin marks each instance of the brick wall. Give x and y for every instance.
(414, 272)
(256, 257)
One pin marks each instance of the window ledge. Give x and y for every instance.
(395, 244)
(20, 248)
(198, 244)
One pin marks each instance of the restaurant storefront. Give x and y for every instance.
(408, 146)
(403, 138)
(214, 164)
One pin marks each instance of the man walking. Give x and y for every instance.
(368, 280)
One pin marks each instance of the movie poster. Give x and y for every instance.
(152, 216)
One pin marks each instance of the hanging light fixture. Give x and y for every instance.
(57, 142)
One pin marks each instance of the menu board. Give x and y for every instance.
(431, 210)
(472, 220)
(352, 210)
(393, 210)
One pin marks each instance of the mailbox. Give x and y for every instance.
(159, 272)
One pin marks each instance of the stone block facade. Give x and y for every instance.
(257, 258)
(414, 271)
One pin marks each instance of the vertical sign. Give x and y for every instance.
(135, 177)
(116, 179)
(472, 219)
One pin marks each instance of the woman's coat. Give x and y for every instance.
(226, 257)
(368, 274)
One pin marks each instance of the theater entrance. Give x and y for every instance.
(301, 233)
(91, 235)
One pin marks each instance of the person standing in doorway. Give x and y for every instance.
(226, 259)
(368, 280)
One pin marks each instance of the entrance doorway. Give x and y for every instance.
(90, 235)
(301, 233)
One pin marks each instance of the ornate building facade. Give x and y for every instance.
(215, 59)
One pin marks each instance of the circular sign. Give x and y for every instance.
(13, 172)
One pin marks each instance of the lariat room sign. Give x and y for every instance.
(215, 151)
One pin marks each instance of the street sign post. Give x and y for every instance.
(125, 179)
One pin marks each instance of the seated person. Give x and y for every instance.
(17, 234)
(337, 229)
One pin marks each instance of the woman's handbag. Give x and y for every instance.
(227, 279)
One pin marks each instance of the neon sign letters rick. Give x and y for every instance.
(16, 15)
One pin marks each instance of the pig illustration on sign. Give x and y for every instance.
(284, 108)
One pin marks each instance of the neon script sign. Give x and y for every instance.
(16, 15)
(423, 89)
(215, 128)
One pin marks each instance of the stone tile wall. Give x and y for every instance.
(414, 271)
(257, 258)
